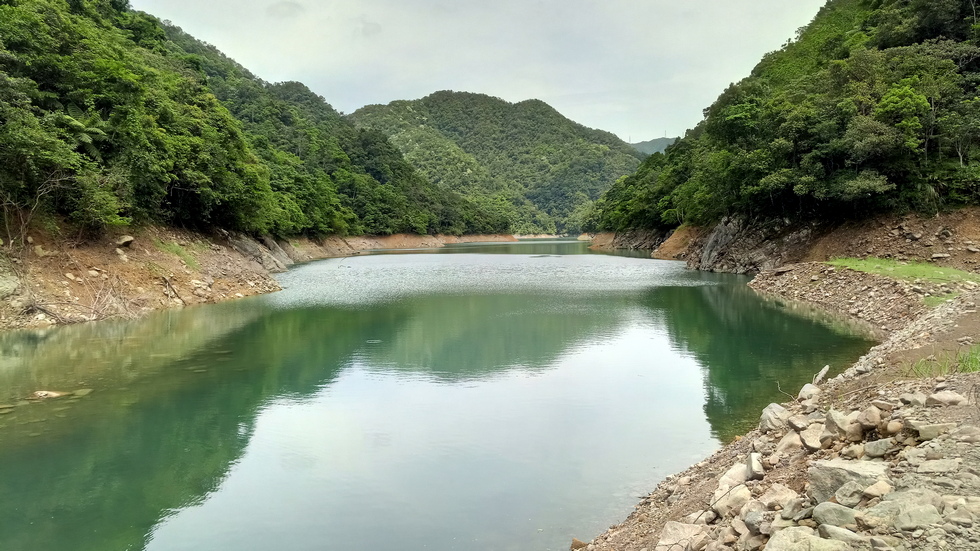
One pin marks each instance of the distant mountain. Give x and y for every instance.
(658, 145)
(524, 160)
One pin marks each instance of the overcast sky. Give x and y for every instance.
(638, 68)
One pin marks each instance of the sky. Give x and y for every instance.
(641, 69)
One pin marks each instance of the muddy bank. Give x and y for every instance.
(53, 280)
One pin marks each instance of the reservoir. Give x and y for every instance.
(495, 397)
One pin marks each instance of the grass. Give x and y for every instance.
(963, 361)
(173, 247)
(906, 270)
(933, 301)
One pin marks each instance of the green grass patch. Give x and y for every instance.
(173, 247)
(933, 301)
(964, 361)
(906, 270)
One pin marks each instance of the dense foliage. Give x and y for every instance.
(874, 107)
(108, 117)
(524, 161)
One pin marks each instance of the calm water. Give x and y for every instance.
(508, 398)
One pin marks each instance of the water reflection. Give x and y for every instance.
(537, 386)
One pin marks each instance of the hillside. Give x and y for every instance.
(108, 118)
(873, 108)
(656, 145)
(526, 158)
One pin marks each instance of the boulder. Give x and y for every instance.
(878, 448)
(811, 437)
(913, 398)
(967, 433)
(937, 466)
(836, 423)
(753, 467)
(932, 431)
(917, 516)
(870, 418)
(789, 444)
(834, 514)
(946, 398)
(808, 392)
(731, 500)
(125, 241)
(850, 494)
(681, 537)
(774, 418)
(878, 489)
(799, 422)
(801, 538)
(826, 477)
(777, 495)
(837, 533)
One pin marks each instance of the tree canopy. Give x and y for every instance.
(524, 160)
(873, 107)
(108, 116)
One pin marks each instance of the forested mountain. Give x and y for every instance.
(873, 107)
(524, 159)
(656, 145)
(109, 117)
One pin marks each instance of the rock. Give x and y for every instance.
(837, 533)
(826, 477)
(789, 444)
(731, 500)
(967, 433)
(811, 437)
(850, 494)
(836, 423)
(800, 538)
(878, 489)
(946, 398)
(808, 392)
(82, 392)
(578, 544)
(892, 428)
(798, 422)
(735, 475)
(774, 418)
(854, 451)
(701, 517)
(125, 241)
(834, 514)
(870, 418)
(753, 467)
(680, 537)
(917, 516)
(878, 448)
(938, 466)
(930, 432)
(854, 432)
(913, 399)
(940, 256)
(777, 495)
(883, 405)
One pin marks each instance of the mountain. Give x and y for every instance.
(873, 107)
(524, 158)
(656, 145)
(109, 117)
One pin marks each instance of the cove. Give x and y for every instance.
(479, 397)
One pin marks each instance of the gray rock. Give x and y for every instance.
(125, 241)
(917, 516)
(936, 466)
(681, 537)
(753, 467)
(967, 433)
(777, 495)
(826, 477)
(798, 422)
(878, 448)
(850, 494)
(808, 392)
(731, 500)
(774, 418)
(811, 437)
(913, 398)
(870, 418)
(834, 514)
(789, 444)
(946, 398)
(800, 538)
(836, 423)
(854, 451)
(930, 432)
(836, 533)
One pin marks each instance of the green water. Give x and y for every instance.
(482, 397)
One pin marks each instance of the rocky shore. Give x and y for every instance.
(881, 457)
